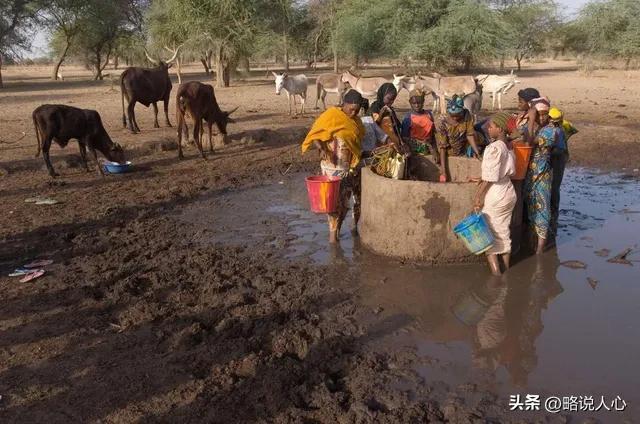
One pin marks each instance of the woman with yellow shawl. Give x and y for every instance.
(337, 134)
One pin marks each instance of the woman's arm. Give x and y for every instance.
(478, 200)
(472, 142)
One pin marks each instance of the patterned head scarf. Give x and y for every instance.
(501, 119)
(455, 106)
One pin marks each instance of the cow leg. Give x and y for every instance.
(209, 125)
(83, 154)
(131, 114)
(197, 136)
(155, 116)
(95, 157)
(181, 128)
(46, 145)
(166, 112)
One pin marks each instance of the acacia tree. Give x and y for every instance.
(531, 22)
(611, 29)
(163, 33)
(16, 17)
(63, 18)
(469, 32)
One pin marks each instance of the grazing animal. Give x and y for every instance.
(199, 101)
(473, 102)
(497, 85)
(295, 85)
(329, 83)
(412, 83)
(61, 123)
(146, 86)
(367, 87)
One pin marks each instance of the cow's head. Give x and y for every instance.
(114, 153)
(279, 81)
(224, 120)
(160, 63)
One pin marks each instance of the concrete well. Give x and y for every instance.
(415, 219)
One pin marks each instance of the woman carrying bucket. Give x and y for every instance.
(337, 134)
(496, 196)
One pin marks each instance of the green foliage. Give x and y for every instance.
(610, 28)
(531, 22)
(16, 19)
(469, 32)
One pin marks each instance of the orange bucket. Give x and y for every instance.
(522, 153)
(324, 193)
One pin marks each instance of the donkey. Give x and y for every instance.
(295, 85)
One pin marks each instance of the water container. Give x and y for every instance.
(522, 152)
(475, 233)
(324, 193)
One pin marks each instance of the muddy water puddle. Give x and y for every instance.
(544, 328)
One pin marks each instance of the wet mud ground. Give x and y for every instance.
(544, 328)
(205, 291)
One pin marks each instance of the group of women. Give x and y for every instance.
(345, 142)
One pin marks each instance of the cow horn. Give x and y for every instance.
(146, 53)
(175, 54)
(232, 110)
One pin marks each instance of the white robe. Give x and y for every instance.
(498, 165)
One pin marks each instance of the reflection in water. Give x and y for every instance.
(511, 317)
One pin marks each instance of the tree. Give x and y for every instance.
(611, 28)
(325, 13)
(225, 27)
(531, 22)
(162, 31)
(63, 18)
(469, 32)
(16, 18)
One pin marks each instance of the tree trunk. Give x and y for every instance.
(467, 63)
(245, 65)
(502, 62)
(63, 55)
(316, 48)
(518, 61)
(203, 60)
(1, 71)
(336, 63)
(222, 69)
(115, 62)
(356, 61)
(627, 63)
(286, 51)
(97, 68)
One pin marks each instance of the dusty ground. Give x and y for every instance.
(135, 321)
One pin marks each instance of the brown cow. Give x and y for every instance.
(60, 123)
(199, 101)
(146, 86)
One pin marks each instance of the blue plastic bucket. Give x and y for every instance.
(475, 233)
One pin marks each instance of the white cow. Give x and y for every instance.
(497, 85)
(295, 85)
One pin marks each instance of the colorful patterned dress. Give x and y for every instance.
(452, 136)
(537, 185)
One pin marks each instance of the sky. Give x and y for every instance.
(568, 8)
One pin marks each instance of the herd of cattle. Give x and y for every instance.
(61, 123)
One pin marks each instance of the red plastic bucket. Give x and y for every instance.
(324, 193)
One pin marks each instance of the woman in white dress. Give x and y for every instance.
(496, 196)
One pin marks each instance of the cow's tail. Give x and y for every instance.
(124, 117)
(37, 128)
